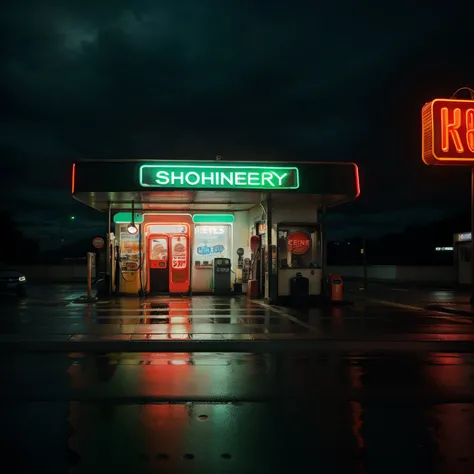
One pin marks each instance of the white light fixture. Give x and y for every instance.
(132, 228)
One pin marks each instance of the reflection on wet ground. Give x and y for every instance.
(53, 310)
(185, 412)
(190, 316)
(331, 410)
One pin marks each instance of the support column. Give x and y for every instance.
(323, 249)
(269, 246)
(108, 270)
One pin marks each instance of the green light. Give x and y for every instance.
(126, 218)
(73, 218)
(236, 177)
(213, 218)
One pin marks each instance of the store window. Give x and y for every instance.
(212, 241)
(298, 247)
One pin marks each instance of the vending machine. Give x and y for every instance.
(180, 269)
(158, 263)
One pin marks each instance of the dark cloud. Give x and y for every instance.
(123, 78)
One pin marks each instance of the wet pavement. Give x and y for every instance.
(381, 385)
(443, 299)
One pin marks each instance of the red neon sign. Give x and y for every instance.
(448, 132)
(73, 178)
(298, 243)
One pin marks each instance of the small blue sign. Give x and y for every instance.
(206, 250)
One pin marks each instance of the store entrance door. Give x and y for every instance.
(158, 263)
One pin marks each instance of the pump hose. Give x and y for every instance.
(142, 292)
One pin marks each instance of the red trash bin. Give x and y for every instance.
(336, 287)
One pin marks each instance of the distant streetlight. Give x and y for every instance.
(63, 221)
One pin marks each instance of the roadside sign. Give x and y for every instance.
(448, 132)
(98, 242)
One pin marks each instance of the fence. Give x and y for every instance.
(408, 273)
(66, 272)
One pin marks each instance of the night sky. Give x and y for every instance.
(244, 79)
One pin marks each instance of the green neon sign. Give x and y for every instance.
(126, 218)
(236, 177)
(213, 218)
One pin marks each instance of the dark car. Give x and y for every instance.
(12, 281)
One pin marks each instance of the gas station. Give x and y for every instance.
(214, 227)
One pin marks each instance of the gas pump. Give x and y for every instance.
(240, 265)
(221, 275)
(252, 288)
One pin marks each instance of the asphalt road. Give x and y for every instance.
(379, 386)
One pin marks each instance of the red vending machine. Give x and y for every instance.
(180, 267)
(158, 263)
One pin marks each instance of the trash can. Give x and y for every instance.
(335, 287)
(299, 290)
(252, 289)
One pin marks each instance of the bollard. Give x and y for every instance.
(90, 257)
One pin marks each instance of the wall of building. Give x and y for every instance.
(435, 274)
(290, 214)
(78, 272)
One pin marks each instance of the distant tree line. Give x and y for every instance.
(416, 246)
(16, 247)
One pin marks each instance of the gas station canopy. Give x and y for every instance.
(210, 185)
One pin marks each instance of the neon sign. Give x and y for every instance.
(448, 132)
(219, 177)
(298, 243)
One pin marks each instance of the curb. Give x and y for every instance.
(305, 344)
(85, 300)
(444, 309)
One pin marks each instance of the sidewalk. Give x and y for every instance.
(446, 300)
(461, 308)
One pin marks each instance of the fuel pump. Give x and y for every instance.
(254, 249)
(117, 273)
(252, 288)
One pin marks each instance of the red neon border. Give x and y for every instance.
(357, 178)
(73, 178)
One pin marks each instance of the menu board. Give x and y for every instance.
(179, 253)
(129, 252)
(211, 241)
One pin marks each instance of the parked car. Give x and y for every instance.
(12, 281)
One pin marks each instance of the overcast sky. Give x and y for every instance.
(237, 78)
